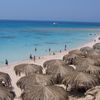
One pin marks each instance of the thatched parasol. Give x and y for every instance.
(54, 62)
(95, 92)
(77, 52)
(97, 62)
(80, 80)
(84, 63)
(27, 69)
(70, 58)
(85, 50)
(5, 79)
(96, 46)
(44, 93)
(6, 94)
(19, 69)
(90, 52)
(91, 69)
(36, 79)
(93, 54)
(57, 68)
(73, 59)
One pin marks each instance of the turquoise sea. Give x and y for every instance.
(18, 39)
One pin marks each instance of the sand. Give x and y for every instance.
(10, 68)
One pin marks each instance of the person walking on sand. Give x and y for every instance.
(6, 62)
(31, 57)
(34, 58)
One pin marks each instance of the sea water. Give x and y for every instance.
(18, 39)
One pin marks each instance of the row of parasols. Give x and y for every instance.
(79, 70)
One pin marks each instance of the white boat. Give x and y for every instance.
(54, 23)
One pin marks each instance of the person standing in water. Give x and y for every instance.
(35, 49)
(6, 62)
(65, 47)
(31, 57)
(49, 50)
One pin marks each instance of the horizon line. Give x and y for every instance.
(49, 20)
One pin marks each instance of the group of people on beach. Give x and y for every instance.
(34, 57)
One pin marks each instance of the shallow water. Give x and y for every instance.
(18, 39)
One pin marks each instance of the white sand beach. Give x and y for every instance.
(10, 68)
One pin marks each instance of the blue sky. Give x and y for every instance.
(64, 10)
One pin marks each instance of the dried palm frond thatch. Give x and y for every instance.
(96, 46)
(36, 79)
(44, 93)
(85, 50)
(94, 91)
(27, 69)
(93, 55)
(58, 69)
(73, 59)
(91, 69)
(6, 94)
(77, 52)
(5, 79)
(80, 80)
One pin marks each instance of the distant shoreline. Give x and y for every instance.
(90, 44)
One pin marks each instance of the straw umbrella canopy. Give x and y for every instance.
(19, 69)
(93, 54)
(90, 52)
(5, 79)
(97, 50)
(86, 49)
(84, 63)
(72, 59)
(95, 92)
(80, 80)
(94, 57)
(6, 94)
(27, 69)
(96, 46)
(97, 62)
(58, 69)
(54, 62)
(91, 69)
(38, 92)
(77, 52)
(35, 79)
